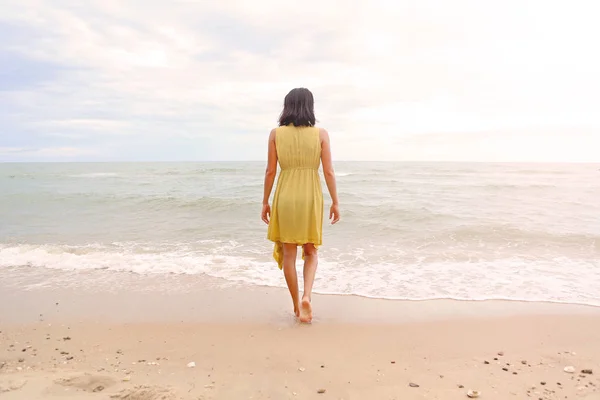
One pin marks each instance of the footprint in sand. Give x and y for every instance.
(145, 393)
(87, 382)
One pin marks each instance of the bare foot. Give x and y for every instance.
(305, 311)
(297, 311)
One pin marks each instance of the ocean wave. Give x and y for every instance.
(139, 201)
(427, 225)
(204, 203)
(492, 232)
(218, 170)
(198, 171)
(94, 175)
(512, 278)
(531, 171)
(22, 176)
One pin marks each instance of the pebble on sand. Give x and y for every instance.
(587, 371)
(191, 364)
(321, 391)
(500, 353)
(413, 385)
(473, 394)
(570, 369)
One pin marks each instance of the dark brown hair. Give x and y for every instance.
(298, 108)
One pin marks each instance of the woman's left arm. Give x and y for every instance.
(270, 174)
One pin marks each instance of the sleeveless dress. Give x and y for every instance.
(297, 210)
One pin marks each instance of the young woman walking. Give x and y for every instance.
(296, 218)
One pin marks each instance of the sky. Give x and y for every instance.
(428, 80)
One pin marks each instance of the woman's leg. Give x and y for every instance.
(311, 260)
(289, 271)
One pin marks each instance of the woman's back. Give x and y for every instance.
(298, 147)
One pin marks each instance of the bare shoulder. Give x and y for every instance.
(323, 134)
(272, 134)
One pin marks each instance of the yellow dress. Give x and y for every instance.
(297, 210)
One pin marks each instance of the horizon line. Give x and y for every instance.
(264, 161)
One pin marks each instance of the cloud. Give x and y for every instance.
(205, 80)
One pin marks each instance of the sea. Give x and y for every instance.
(415, 231)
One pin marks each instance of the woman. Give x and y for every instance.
(297, 215)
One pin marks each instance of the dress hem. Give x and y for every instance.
(278, 249)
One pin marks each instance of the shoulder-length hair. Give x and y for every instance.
(298, 108)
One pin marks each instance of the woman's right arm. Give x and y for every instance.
(329, 173)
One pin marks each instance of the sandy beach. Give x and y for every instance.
(242, 343)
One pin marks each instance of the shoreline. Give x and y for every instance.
(129, 297)
(148, 298)
(450, 299)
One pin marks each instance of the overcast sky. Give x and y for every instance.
(511, 80)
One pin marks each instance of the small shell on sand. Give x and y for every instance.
(191, 365)
(473, 394)
(570, 369)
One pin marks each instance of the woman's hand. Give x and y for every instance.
(266, 213)
(334, 213)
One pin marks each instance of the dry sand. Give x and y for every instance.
(92, 346)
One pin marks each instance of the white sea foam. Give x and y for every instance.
(516, 279)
